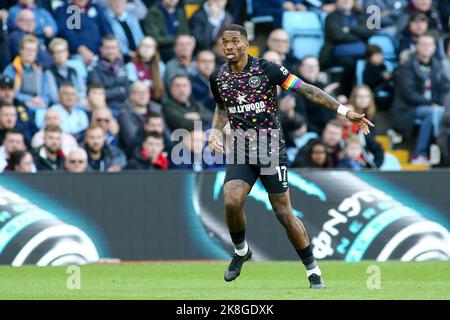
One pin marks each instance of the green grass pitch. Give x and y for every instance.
(204, 280)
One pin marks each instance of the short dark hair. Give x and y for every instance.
(179, 75)
(371, 50)
(14, 131)
(4, 104)
(16, 157)
(95, 86)
(154, 134)
(152, 114)
(237, 27)
(108, 37)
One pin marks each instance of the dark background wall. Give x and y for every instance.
(146, 216)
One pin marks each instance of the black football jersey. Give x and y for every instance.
(250, 100)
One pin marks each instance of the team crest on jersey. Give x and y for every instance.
(254, 82)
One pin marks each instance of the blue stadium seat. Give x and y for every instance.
(303, 45)
(302, 23)
(305, 31)
(386, 44)
(441, 45)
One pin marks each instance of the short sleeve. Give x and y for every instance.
(214, 90)
(279, 75)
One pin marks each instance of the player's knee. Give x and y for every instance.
(284, 215)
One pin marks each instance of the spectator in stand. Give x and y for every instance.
(320, 6)
(165, 20)
(316, 117)
(417, 26)
(332, 139)
(193, 154)
(295, 128)
(146, 66)
(60, 73)
(85, 39)
(26, 24)
(179, 110)
(76, 161)
(352, 154)
(390, 11)
(102, 157)
(219, 52)
(444, 134)
(46, 27)
(346, 34)
(8, 118)
(208, 22)
(49, 157)
(74, 119)
(444, 9)
(132, 118)
(425, 7)
(5, 52)
(155, 123)
(279, 42)
(363, 102)
(14, 141)
(21, 161)
(150, 155)
(96, 97)
(183, 62)
(275, 8)
(372, 151)
(317, 156)
(104, 117)
(52, 118)
(28, 76)
(201, 90)
(111, 72)
(420, 95)
(125, 26)
(25, 119)
(272, 56)
(376, 75)
(446, 59)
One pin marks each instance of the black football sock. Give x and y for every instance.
(307, 257)
(238, 239)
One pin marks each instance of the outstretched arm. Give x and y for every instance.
(220, 119)
(319, 96)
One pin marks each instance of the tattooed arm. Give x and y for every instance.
(220, 119)
(319, 96)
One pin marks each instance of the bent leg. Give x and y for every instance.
(298, 236)
(281, 204)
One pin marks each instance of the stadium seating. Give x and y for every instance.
(306, 46)
(304, 23)
(305, 31)
(441, 44)
(386, 44)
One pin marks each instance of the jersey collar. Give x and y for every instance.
(247, 66)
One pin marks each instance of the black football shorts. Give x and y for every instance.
(274, 179)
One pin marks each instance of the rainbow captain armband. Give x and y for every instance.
(292, 82)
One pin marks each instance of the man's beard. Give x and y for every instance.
(50, 151)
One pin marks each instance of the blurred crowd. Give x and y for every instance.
(101, 85)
